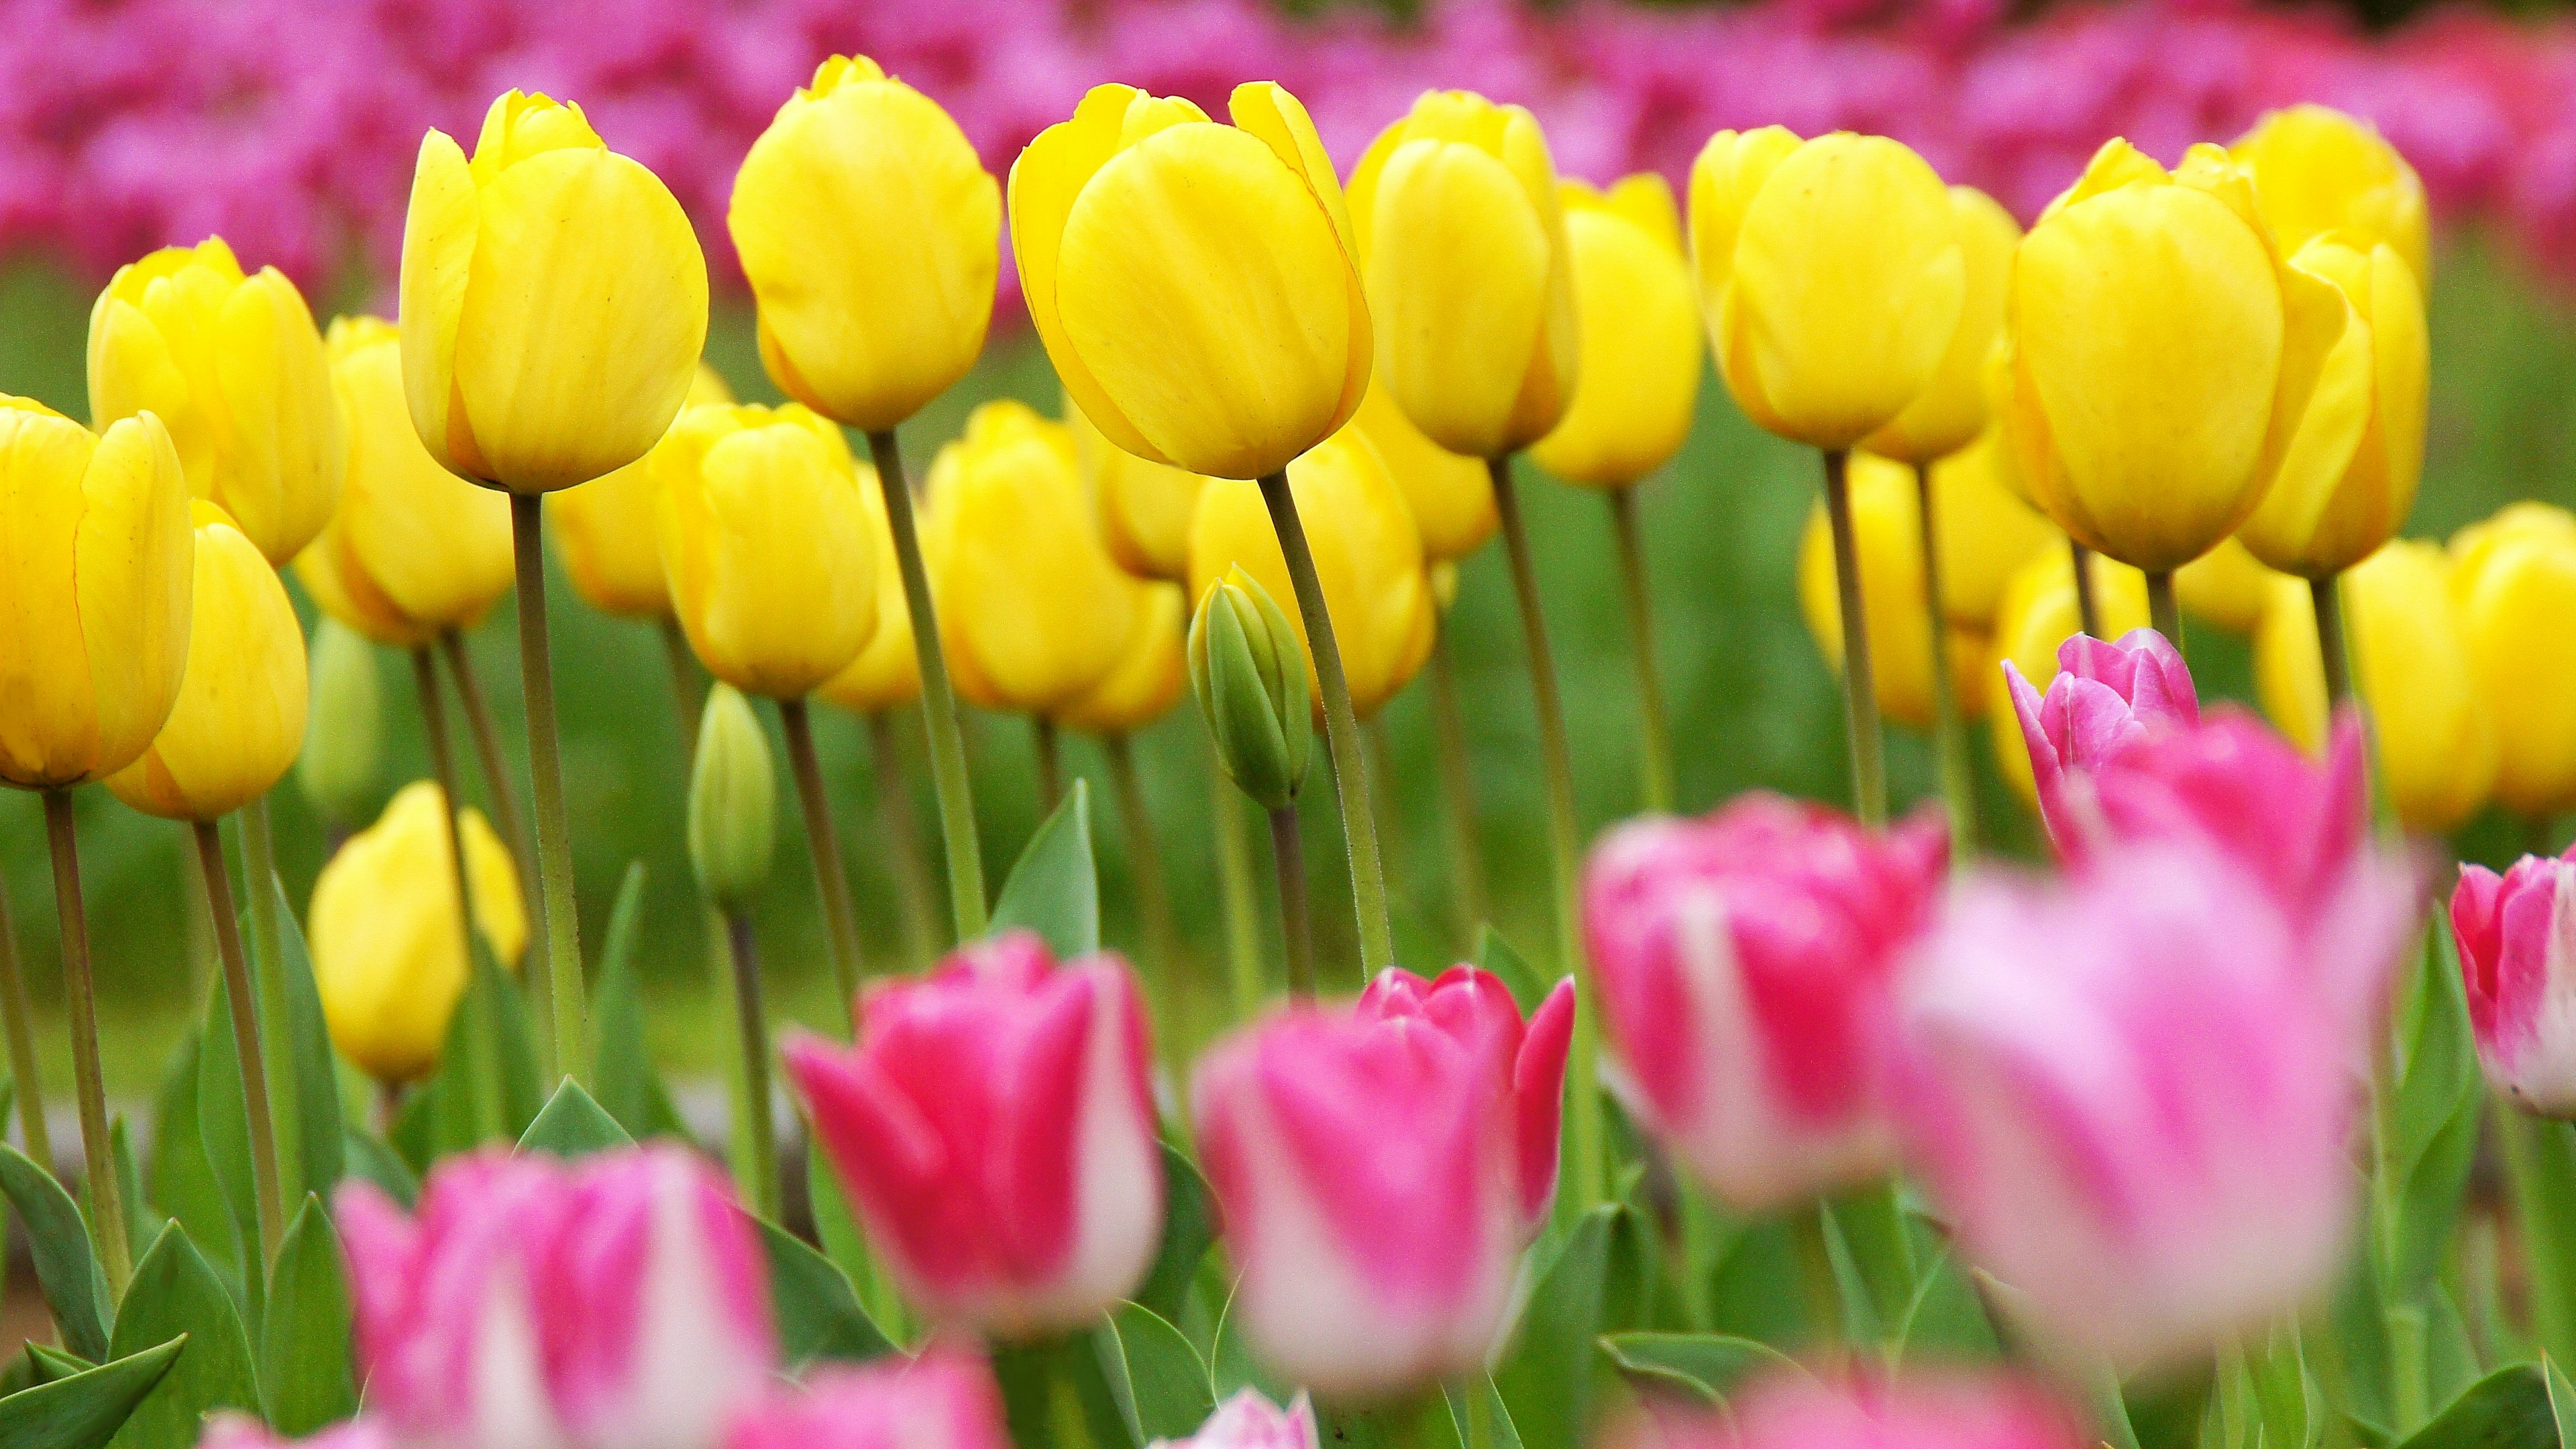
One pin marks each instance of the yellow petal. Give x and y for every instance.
(887, 673)
(439, 238)
(436, 547)
(1147, 681)
(49, 713)
(284, 470)
(1450, 496)
(1638, 387)
(1952, 411)
(1045, 181)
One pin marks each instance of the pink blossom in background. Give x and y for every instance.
(241, 1431)
(945, 1399)
(2106, 697)
(2517, 938)
(1249, 1421)
(1790, 1410)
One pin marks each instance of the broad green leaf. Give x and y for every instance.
(1057, 1394)
(2540, 1164)
(1498, 957)
(2508, 1409)
(368, 1159)
(573, 1125)
(174, 1292)
(1231, 1364)
(835, 1226)
(1872, 1228)
(142, 1224)
(1506, 1433)
(1860, 1323)
(1755, 1291)
(318, 1112)
(1946, 1322)
(1054, 890)
(304, 1348)
(817, 1312)
(2284, 1403)
(223, 1126)
(49, 1364)
(2562, 1400)
(1546, 1375)
(66, 1268)
(86, 1410)
(1188, 1229)
(2450, 1357)
(1706, 1365)
(1160, 1382)
(621, 1069)
(2429, 1125)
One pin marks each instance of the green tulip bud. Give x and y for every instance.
(733, 801)
(1248, 669)
(343, 759)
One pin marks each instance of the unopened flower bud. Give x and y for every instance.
(733, 801)
(344, 736)
(1249, 674)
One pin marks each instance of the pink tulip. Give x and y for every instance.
(2105, 698)
(1249, 1421)
(2517, 938)
(1379, 1168)
(1746, 962)
(1793, 1411)
(943, 1400)
(614, 1303)
(241, 1431)
(995, 1130)
(2133, 1090)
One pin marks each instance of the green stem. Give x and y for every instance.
(1816, 1276)
(1341, 730)
(831, 880)
(2540, 1168)
(688, 685)
(15, 1014)
(2326, 594)
(1458, 785)
(1654, 735)
(107, 1210)
(1588, 1177)
(2410, 1386)
(2162, 611)
(2539, 833)
(1383, 807)
(1050, 752)
(1145, 865)
(938, 702)
(1288, 856)
(1234, 877)
(1860, 685)
(202, 967)
(902, 842)
(759, 1139)
(2088, 612)
(485, 730)
(268, 956)
(239, 995)
(484, 1086)
(555, 902)
(1480, 1411)
(1958, 782)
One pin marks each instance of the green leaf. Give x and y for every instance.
(86, 1410)
(1507, 1433)
(1232, 1366)
(223, 1128)
(48, 1364)
(835, 1226)
(1188, 1229)
(174, 1292)
(1754, 1292)
(2508, 1409)
(1160, 1382)
(1057, 1395)
(1055, 889)
(1497, 957)
(1546, 1376)
(1946, 1322)
(66, 1269)
(1872, 1228)
(304, 1347)
(573, 1125)
(2540, 1164)
(1707, 1366)
(817, 1312)
(318, 1112)
(368, 1159)
(142, 1224)
(621, 1068)
(2562, 1400)
(2429, 1132)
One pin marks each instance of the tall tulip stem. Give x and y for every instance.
(555, 903)
(16, 1015)
(938, 702)
(243, 999)
(1145, 867)
(1589, 1174)
(1654, 734)
(1341, 729)
(2327, 594)
(1234, 882)
(901, 841)
(1958, 784)
(2088, 611)
(831, 879)
(486, 732)
(2162, 611)
(757, 1134)
(1458, 784)
(688, 684)
(1296, 928)
(485, 1087)
(1860, 685)
(1049, 744)
(268, 949)
(107, 1211)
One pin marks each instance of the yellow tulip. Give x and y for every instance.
(2350, 475)
(1148, 681)
(2162, 355)
(871, 237)
(1953, 411)
(1367, 557)
(2038, 613)
(238, 723)
(1831, 276)
(96, 563)
(1451, 496)
(2514, 581)
(554, 301)
(608, 530)
(1145, 507)
(1887, 528)
(2436, 751)
(414, 550)
(1987, 533)
(2317, 170)
(1462, 243)
(1033, 615)
(388, 952)
(1639, 384)
(766, 540)
(2227, 586)
(887, 673)
(235, 369)
(1195, 284)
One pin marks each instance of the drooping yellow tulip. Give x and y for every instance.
(1367, 556)
(2227, 586)
(1638, 387)
(239, 720)
(1470, 281)
(2435, 748)
(1887, 528)
(609, 532)
(2162, 354)
(1195, 284)
(388, 951)
(235, 369)
(1145, 507)
(1148, 681)
(2317, 170)
(766, 540)
(1987, 534)
(1831, 277)
(554, 301)
(2039, 613)
(1954, 411)
(871, 236)
(97, 563)
(1033, 614)
(2514, 580)
(1450, 496)
(887, 673)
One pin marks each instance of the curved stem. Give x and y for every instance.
(1654, 735)
(239, 995)
(1234, 877)
(758, 1134)
(1050, 752)
(2162, 611)
(2327, 595)
(1288, 858)
(1341, 730)
(268, 955)
(831, 879)
(1382, 804)
(688, 685)
(1588, 1177)
(901, 840)
(1458, 784)
(1860, 685)
(107, 1209)
(938, 702)
(484, 1086)
(555, 903)
(1816, 1277)
(23, 1070)
(1145, 865)
(2088, 611)
(495, 768)
(1958, 783)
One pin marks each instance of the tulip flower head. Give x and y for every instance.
(1793, 1411)
(234, 368)
(945, 1399)
(1380, 1167)
(608, 531)
(1450, 496)
(887, 673)
(2514, 580)
(733, 801)
(2106, 697)
(1747, 963)
(1195, 284)
(1643, 349)
(1987, 533)
(995, 1133)
(615, 1303)
(1249, 1421)
(2318, 171)
(2517, 938)
(1145, 508)
(1147, 681)
(1954, 410)
(2227, 586)
(2036, 616)
(554, 301)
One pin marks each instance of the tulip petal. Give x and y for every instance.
(1045, 182)
(1458, 290)
(439, 241)
(284, 478)
(49, 713)
(136, 570)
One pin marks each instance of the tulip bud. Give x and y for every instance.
(2227, 586)
(1831, 276)
(2514, 580)
(1380, 1167)
(1887, 526)
(616, 1302)
(1145, 507)
(1244, 657)
(1451, 497)
(554, 301)
(1642, 346)
(1250, 1421)
(2104, 698)
(97, 560)
(234, 368)
(994, 1131)
(343, 759)
(733, 801)
(608, 530)
(1148, 681)
(1746, 962)
(1195, 285)
(1794, 1411)
(943, 1399)
(2517, 940)
(871, 237)
(239, 719)
(2318, 171)
(388, 952)
(2038, 613)
(1954, 411)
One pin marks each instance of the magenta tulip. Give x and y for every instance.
(943, 1400)
(1793, 1411)
(1249, 1421)
(2105, 698)
(241, 1431)
(2517, 938)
